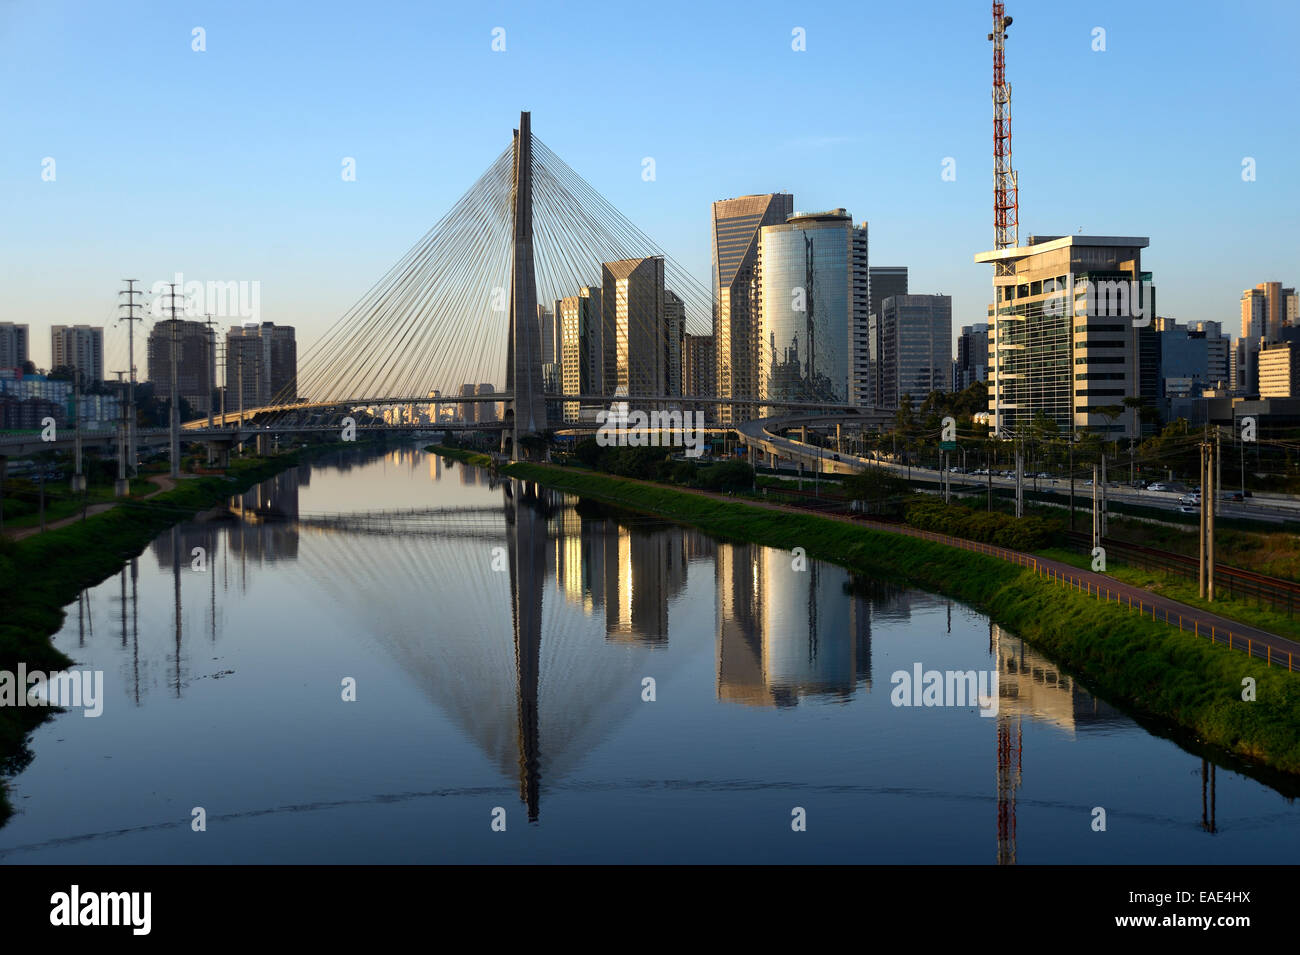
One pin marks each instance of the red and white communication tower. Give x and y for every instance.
(1006, 197)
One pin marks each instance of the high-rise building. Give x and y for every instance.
(1279, 370)
(916, 354)
(487, 410)
(808, 313)
(1263, 311)
(1245, 381)
(885, 281)
(1071, 335)
(634, 333)
(736, 225)
(674, 340)
(972, 356)
(467, 411)
(1290, 307)
(546, 328)
(262, 364)
(861, 392)
(14, 343)
(195, 361)
(1218, 346)
(80, 347)
(581, 351)
(699, 366)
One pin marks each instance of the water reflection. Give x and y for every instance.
(597, 600)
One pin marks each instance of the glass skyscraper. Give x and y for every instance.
(808, 310)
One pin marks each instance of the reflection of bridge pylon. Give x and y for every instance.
(527, 551)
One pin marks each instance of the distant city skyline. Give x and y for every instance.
(231, 170)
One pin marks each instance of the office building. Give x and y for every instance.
(487, 410)
(195, 361)
(885, 281)
(261, 364)
(635, 336)
(971, 364)
(581, 350)
(78, 347)
(674, 341)
(1279, 370)
(467, 411)
(699, 366)
(14, 343)
(736, 225)
(807, 319)
(1071, 335)
(1263, 311)
(916, 352)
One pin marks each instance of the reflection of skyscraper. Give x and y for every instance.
(784, 632)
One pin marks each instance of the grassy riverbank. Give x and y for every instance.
(42, 574)
(1150, 668)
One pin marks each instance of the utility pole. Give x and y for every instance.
(1020, 479)
(1218, 468)
(121, 487)
(1208, 495)
(78, 479)
(209, 371)
(1200, 563)
(1104, 528)
(175, 416)
(131, 318)
(1071, 440)
(1096, 514)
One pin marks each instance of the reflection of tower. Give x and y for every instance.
(527, 540)
(1208, 784)
(1008, 774)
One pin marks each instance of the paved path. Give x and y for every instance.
(1276, 650)
(163, 482)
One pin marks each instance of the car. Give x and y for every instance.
(1235, 496)
(1158, 487)
(1187, 500)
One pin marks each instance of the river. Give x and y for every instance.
(390, 658)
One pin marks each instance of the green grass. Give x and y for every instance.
(1187, 591)
(1149, 668)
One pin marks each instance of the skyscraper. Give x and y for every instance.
(700, 366)
(972, 356)
(1263, 311)
(634, 332)
(1071, 334)
(674, 331)
(581, 351)
(885, 281)
(808, 309)
(14, 343)
(80, 347)
(262, 360)
(736, 225)
(195, 360)
(917, 347)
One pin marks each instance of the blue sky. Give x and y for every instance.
(225, 164)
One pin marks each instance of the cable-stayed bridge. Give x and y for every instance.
(462, 307)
